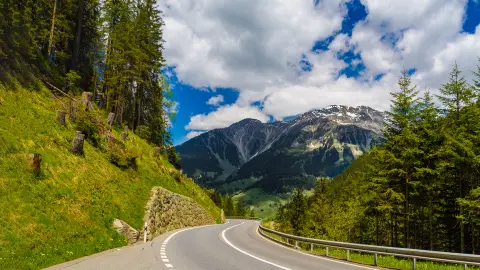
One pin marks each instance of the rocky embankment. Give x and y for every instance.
(167, 211)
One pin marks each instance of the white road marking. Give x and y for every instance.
(246, 253)
(163, 255)
(315, 256)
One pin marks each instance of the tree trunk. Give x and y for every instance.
(52, 29)
(391, 229)
(87, 98)
(35, 163)
(376, 228)
(430, 221)
(77, 144)
(407, 216)
(72, 111)
(157, 151)
(110, 119)
(78, 35)
(61, 117)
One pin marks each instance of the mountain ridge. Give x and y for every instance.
(320, 142)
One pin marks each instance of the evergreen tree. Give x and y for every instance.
(402, 146)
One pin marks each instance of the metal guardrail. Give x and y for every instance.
(240, 217)
(414, 254)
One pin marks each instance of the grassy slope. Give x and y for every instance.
(67, 212)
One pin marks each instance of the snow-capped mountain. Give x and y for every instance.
(279, 155)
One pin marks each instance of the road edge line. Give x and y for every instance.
(246, 253)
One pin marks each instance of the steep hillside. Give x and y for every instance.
(278, 156)
(67, 209)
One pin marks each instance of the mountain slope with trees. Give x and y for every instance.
(66, 172)
(420, 189)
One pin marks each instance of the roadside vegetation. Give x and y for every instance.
(67, 209)
(420, 189)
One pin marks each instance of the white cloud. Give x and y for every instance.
(193, 134)
(216, 100)
(224, 117)
(255, 47)
(244, 44)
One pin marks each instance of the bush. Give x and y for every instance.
(143, 132)
(174, 158)
(88, 124)
(123, 159)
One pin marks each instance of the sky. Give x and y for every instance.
(273, 59)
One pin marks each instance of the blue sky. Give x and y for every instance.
(264, 62)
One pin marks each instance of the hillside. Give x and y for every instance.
(67, 210)
(273, 158)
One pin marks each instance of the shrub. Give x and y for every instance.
(88, 124)
(122, 158)
(174, 158)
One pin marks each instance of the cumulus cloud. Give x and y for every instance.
(216, 100)
(256, 47)
(224, 117)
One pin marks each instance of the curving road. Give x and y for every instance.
(234, 245)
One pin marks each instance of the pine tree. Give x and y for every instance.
(402, 145)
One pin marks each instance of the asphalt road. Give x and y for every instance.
(234, 245)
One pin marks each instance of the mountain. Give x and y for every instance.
(281, 155)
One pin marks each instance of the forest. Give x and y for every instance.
(111, 48)
(419, 189)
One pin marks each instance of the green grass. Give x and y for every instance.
(66, 212)
(266, 205)
(384, 261)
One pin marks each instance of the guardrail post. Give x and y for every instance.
(465, 266)
(375, 259)
(348, 254)
(414, 267)
(296, 244)
(326, 252)
(311, 247)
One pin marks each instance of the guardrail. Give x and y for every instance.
(240, 217)
(414, 254)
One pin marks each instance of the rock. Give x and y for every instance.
(35, 163)
(77, 144)
(168, 211)
(124, 136)
(126, 230)
(61, 117)
(157, 151)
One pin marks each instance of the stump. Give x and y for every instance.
(110, 119)
(61, 117)
(35, 163)
(77, 144)
(124, 136)
(87, 98)
(157, 151)
(126, 129)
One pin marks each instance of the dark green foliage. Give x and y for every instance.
(174, 158)
(420, 189)
(112, 48)
(88, 123)
(122, 158)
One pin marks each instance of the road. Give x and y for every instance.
(231, 246)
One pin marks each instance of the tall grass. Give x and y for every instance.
(66, 212)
